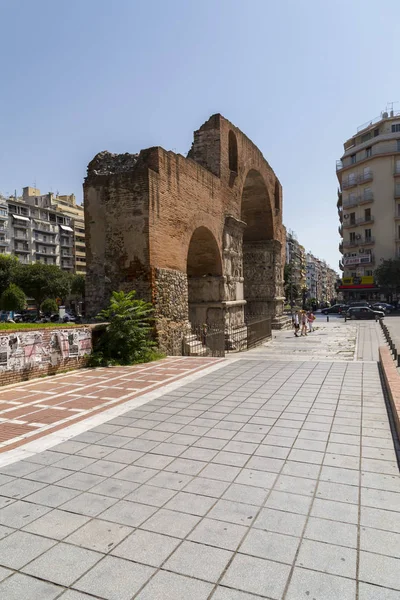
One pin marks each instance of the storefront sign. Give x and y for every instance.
(357, 260)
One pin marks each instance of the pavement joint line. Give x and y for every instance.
(52, 439)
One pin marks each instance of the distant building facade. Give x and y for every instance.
(43, 228)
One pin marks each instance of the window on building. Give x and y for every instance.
(368, 235)
(353, 159)
(366, 137)
(352, 236)
(368, 152)
(367, 214)
(354, 274)
(352, 218)
(233, 152)
(398, 145)
(369, 273)
(398, 210)
(376, 132)
(397, 190)
(367, 194)
(367, 172)
(398, 232)
(397, 166)
(352, 178)
(396, 128)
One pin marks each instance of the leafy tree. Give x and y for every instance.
(387, 275)
(49, 306)
(13, 298)
(8, 265)
(292, 292)
(40, 281)
(78, 286)
(127, 336)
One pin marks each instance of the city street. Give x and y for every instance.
(271, 476)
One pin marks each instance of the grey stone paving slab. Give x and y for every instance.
(63, 564)
(327, 558)
(224, 593)
(21, 513)
(49, 474)
(190, 503)
(19, 548)
(170, 586)
(114, 579)
(171, 523)
(379, 570)
(233, 512)
(380, 542)
(21, 586)
(307, 584)
(4, 573)
(115, 488)
(372, 592)
(20, 488)
(146, 547)
(52, 496)
(172, 481)
(56, 524)
(274, 546)
(218, 533)
(333, 532)
(100, 536)
(89, 504)
(380, 519)
(257, 576)
(72, 595)
(128, 513)
(198, 560)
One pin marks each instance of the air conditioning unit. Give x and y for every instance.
(346, 216)
(361, 250)
(358, 236)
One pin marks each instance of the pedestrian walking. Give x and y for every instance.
(304, 322)
(311, 319)
(296, 324)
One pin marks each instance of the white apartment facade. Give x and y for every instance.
(33, 228)
(369, 203)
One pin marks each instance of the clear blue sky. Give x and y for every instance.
(298, 77)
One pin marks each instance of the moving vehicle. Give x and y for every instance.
(387, 308)
(335, 309)
(359, 303)
(364, 312)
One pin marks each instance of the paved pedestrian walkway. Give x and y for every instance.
(263, 479)
(30, 410)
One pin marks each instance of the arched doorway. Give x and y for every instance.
(204, 273)
(259, 251)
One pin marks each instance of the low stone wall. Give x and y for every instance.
(29, 353)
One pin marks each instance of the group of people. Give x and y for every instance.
(303, 319)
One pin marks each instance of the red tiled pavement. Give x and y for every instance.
(79, 395)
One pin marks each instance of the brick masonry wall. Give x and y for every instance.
(142, 210)
(26, 354)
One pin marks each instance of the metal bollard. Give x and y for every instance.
(327, 318)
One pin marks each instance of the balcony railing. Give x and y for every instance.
(46, 242)
(377, 149)
(355, 222)
(359, 242)
(4, 241)
(362, 199)
(340, 230)
(349, 182)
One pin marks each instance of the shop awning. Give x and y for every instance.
(66, 228)
(21, 218)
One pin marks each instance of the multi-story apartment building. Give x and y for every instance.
(296, 258)
(67, 205)
(37, 228)
(321, 279)
(369, 203)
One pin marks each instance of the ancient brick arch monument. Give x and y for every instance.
(200, 237)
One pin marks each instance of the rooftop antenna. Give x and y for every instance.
(389, 106)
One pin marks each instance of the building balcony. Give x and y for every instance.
(22, 250)
(45, 228)
(46, 242)
(341, 247)
(366, 241)
(44, 253)
(341, 267)
(358, 242)
(4, 241)
(362, 155)
(349, 182)
(340, 230)
(20, 236)
(355, 222)
(362, 199)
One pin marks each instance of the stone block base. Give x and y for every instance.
(282, 322)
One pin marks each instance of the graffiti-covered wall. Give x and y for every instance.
(25, 354)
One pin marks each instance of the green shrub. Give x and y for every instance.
(127, 336)
(13, 298)
(49, 306)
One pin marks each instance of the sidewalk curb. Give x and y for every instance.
(392, 380)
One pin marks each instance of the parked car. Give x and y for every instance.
(364, 312)
(335, 309)
(359, 303)
(387, 308)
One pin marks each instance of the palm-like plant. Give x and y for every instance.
(127, 337)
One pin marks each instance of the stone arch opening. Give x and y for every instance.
(277, 197)
(259, 272)
(204, 273)
(233, 152)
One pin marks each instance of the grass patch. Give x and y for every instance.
(14, 326)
